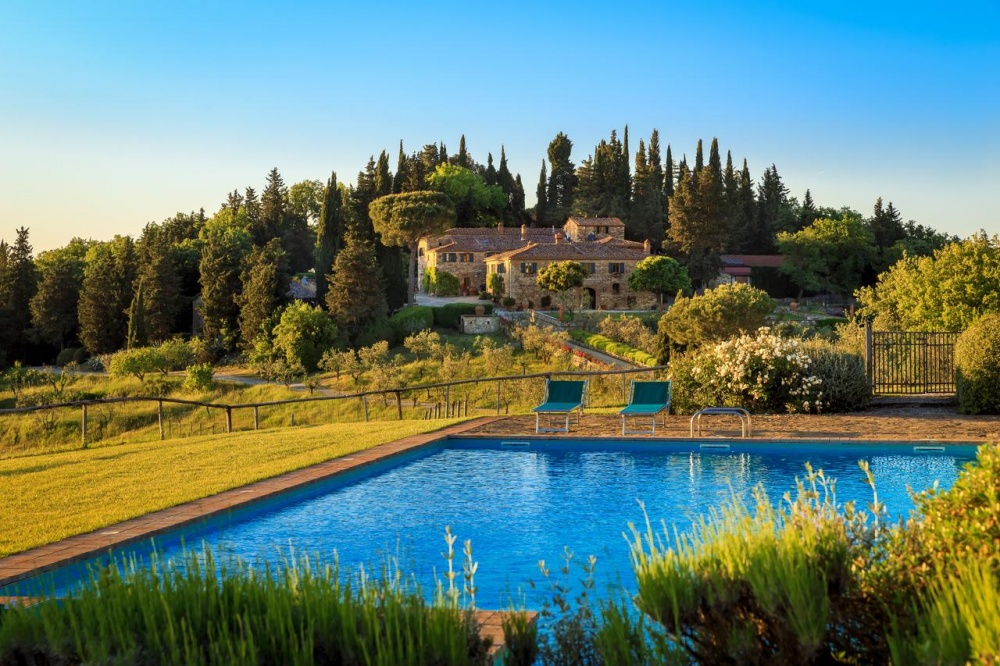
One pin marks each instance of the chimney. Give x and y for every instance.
(524, 232)
(647, 247)
(558, 238)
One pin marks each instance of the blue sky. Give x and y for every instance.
(114, 114)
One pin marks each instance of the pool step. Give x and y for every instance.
(515, 445)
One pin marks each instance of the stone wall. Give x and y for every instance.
(524, 289)
(480, 324)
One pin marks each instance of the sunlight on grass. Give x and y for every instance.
(50, 497)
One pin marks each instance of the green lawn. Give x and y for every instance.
(50, 497)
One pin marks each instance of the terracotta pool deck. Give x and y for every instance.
(920, 424)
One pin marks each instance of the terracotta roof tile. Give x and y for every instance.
(572, 252)
(597, 221)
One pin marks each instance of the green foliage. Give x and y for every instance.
(946, 292)
(226, 243)
(177, 354)
(411, 319)
(619, 349)
(763, 373)
(977, 367)
(303, 333)
(203, 611)
(660, 275)
(631, 330)
(475, 202)
(356, 297)
(440, 283)
(54, 305)
(106, 294)
(200, 378)
(495, 285)
(450, 315)
(829, 255)
(509, 301)
(376, 331)
(264, 278)
(137, 362)
(842, 377)
(71, 355)
(715, 315)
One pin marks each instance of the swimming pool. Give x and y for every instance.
(524, 500)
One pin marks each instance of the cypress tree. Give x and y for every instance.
(329, 232)
(462, 159)
(699, 159)
(542, 205)
(748, 210)
(562, 180)
(490, 175)
(402, 175)
(517, 199)
(222, 255)
(383, 177)
(714, 161)
(645, 220)
(138, 335)
(357, 295)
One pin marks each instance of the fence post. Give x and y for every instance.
(364, 401)
(447, 401)
(229, 419)
(256, 418)
(83, 425)
(159, 417)
(869, 365)
(498, 398)
(399, 404)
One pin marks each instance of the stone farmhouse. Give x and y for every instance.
(518, 255)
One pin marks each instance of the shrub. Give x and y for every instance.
(718, 314)
(137, 362)
(609, 346)
(200, 378)
(303, 334)
(630, 330)
(977, 367)
(450, 316)
(545, 301)
(508, 301)
(842, 377)
(763, 373)
(376, 331)
(440, 283)
(177, 353)
(71, 355)
(410, 320)
(495, 284)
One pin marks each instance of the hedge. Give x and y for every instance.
(409, 320)
(450, 316)
(609, 346)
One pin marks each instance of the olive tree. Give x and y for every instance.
(561, 276)
(659, 275)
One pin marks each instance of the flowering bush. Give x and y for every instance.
(762, 372)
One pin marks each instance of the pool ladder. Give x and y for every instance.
(745, 421)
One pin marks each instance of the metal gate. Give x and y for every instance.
(910, 362)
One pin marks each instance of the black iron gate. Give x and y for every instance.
(910, 362)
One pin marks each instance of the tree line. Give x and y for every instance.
(235, 267)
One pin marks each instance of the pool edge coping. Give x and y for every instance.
(26, 564)
(47, 557)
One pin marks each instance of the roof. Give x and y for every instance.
(572, 252)
(753, 260)
(596, 221)
(302, 290)
(487, 239)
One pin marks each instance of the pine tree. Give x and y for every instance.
(357, 289)
(699, 159)
(773, 211)
(106, 294)
(21, 285)
(542, 204)
(273, 209)
(264, 291)
(646, 218)
(54, 305)
(161, 284)
(221, 262)
(697, 219)
(808, 212)
(329, 233)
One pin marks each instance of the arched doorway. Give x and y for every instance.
(589, 299)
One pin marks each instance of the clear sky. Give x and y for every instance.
(115, 114)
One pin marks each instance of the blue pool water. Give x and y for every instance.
(523, 503)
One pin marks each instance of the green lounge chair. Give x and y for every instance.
(561, 397)
(647, 399)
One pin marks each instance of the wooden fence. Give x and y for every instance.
(425, 401)
(910, 362)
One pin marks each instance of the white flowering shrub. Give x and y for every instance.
(762, 372)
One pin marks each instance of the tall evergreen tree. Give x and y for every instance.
(106, 294)
(383, 177)
(773, 212)
(462, 159)
(808, 212)
(699, 159)
(697, 216)
(159, 275)
(357, 289)
(264, 292)
(18, 288)
(646, 218)
(668, 190)
(562, 180)
(714, 161)
(542, 204)
(490, 176)
(273, 209)
(748, 211)
(517, 201)
(137, 334)
(390, 258)
(222, 255)
(54, 305)
(735, 221)
(401, 177)
(329, 233)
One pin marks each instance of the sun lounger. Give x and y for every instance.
(561, 397)
(647, 399)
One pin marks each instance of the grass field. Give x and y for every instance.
(52, 496)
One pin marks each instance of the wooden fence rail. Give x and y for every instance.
(451, 407)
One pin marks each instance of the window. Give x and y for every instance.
(529, 269)
(616, 268)
(616, 288)
(591, 268)
(465, 257)
(448, 257)
(501, 268)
